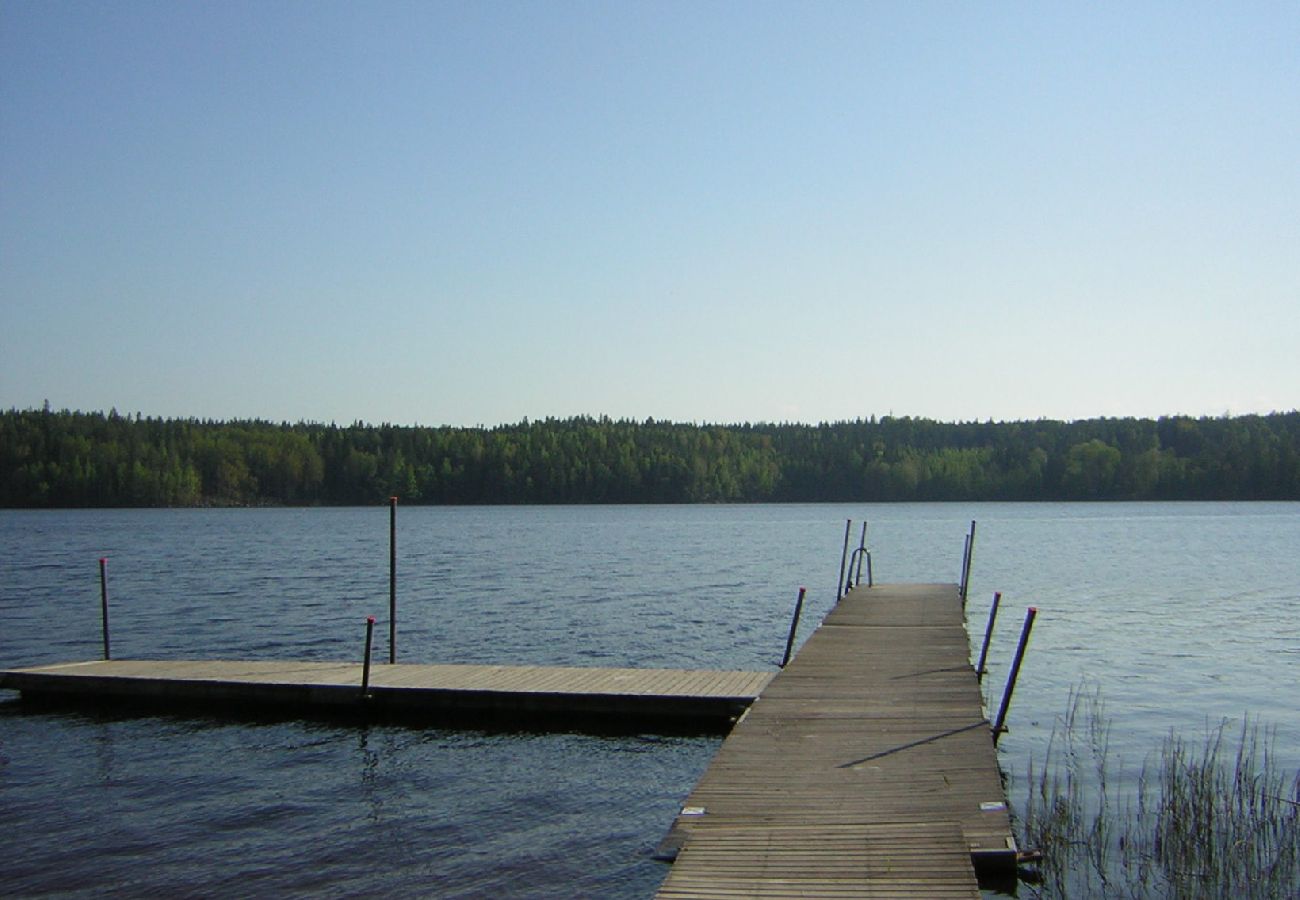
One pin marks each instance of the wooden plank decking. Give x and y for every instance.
(865, 769)
(304, 686)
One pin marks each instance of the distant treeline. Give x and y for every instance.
(69, 459)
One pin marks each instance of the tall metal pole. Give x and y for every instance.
(862, 547)
(970, 558)
(392, 580)
(794, 626)
(988, 636)
(1001, 724)
(103, 600)
(844, 558)
(965, 555)
(365, 666)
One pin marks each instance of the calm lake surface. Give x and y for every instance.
(1183, 615)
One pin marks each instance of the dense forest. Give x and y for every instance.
(69, 459)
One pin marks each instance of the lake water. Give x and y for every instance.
(1181, 614)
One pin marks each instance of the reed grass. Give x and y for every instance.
(1208, 819)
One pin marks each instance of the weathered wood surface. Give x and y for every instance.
(779, 861)
(865, 769)
(306, 684)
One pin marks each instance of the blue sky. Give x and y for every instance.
(471, 213)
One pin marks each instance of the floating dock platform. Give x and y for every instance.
(460, 692)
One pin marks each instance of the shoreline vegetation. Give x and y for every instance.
(60, 459)
(1209, 818)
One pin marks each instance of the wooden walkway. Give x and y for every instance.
(681, 694)
(865, 769)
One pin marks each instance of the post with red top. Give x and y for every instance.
(392, 580)
(365, 668)
(103, 600)
(1000, 726)
(794, 626)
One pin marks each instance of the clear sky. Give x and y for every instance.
(475, 212)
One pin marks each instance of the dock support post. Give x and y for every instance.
(794, 626)
(365, 667)
(844, 558)
(1000, 726)
(965, 555)
(988, 635)
(392, 580)
(967, 558)
(103, 600)
(862, 548)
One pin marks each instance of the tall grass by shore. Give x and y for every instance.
(1214, 818)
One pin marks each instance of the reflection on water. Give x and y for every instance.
(176, 806)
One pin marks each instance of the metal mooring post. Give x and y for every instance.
(844, 558)
(966, 555)
(365, 667)
(794, 626)
(988, 635)
(103, 600)
(392, 580)
(1000, 726)
(967, 559)
(862, 550)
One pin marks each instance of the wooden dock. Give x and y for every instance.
(865, 769)
(683, 696)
